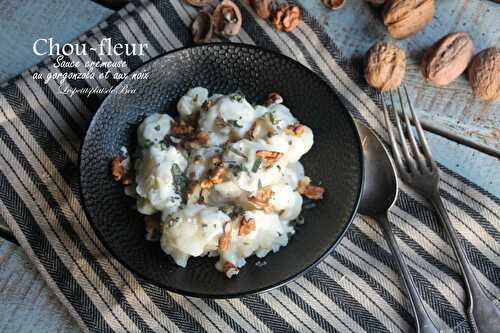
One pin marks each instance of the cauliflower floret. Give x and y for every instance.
(192, 231)
(191, 103)
(153, 129)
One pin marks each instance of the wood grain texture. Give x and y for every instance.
(357, 26)
(26, 302)
(24, 21)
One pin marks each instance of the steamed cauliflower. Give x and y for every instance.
(224, 179)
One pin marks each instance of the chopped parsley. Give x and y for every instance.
(256, 165)
(274, 120)
(234, 123)
(148, 143)
(237, 169)
(180, 180)
(232, 211)
(237, 98)
(237, 152)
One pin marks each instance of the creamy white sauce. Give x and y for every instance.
(192, 230)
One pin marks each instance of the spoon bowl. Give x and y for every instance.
(380, 186)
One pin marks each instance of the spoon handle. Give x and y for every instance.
(424, 323)
(484, 314)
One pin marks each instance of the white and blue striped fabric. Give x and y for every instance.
(355, 289)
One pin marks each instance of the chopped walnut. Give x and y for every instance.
(246, 226)
(310, 191)
(215, 177)
(225, 239)
(181, 127)
(286, 18)
(117, 169)
(216, 161)
(268, 156)
(207, 105)
(230, 269)
(199, 139)
(273, 98)
(295, 129)
(261, 199)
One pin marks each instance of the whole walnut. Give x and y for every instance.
(385, 66)
(447, 58)
(406, 17)
(484, 74)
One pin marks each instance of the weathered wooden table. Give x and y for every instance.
(27, 304)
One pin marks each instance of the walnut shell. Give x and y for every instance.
(202, 28)
(447, 58)
(385, 66)
(227, 19)
(484, 74)
(405, 17)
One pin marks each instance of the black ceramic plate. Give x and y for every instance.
(335, 159)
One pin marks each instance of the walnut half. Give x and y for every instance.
(310, 191)
(260, 200)
(246, 226)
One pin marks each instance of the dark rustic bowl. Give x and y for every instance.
(335, 159)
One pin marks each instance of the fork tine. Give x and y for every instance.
(402, 138)
(392, 139)
(420, 132)
(413, 143)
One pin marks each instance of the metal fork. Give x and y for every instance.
(417, 168)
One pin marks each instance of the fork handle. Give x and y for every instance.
(484, 314)
(424, 323)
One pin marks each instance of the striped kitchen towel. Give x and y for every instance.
(355, 289)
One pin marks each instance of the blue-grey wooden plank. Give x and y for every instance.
(24, 21)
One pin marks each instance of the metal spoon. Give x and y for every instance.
(380, 190)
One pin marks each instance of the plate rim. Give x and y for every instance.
(256, 291)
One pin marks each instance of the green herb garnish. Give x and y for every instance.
(256, 165)
(274, 120)
(180, 180)
(237, 98)
(234, 123)
(237, 152)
